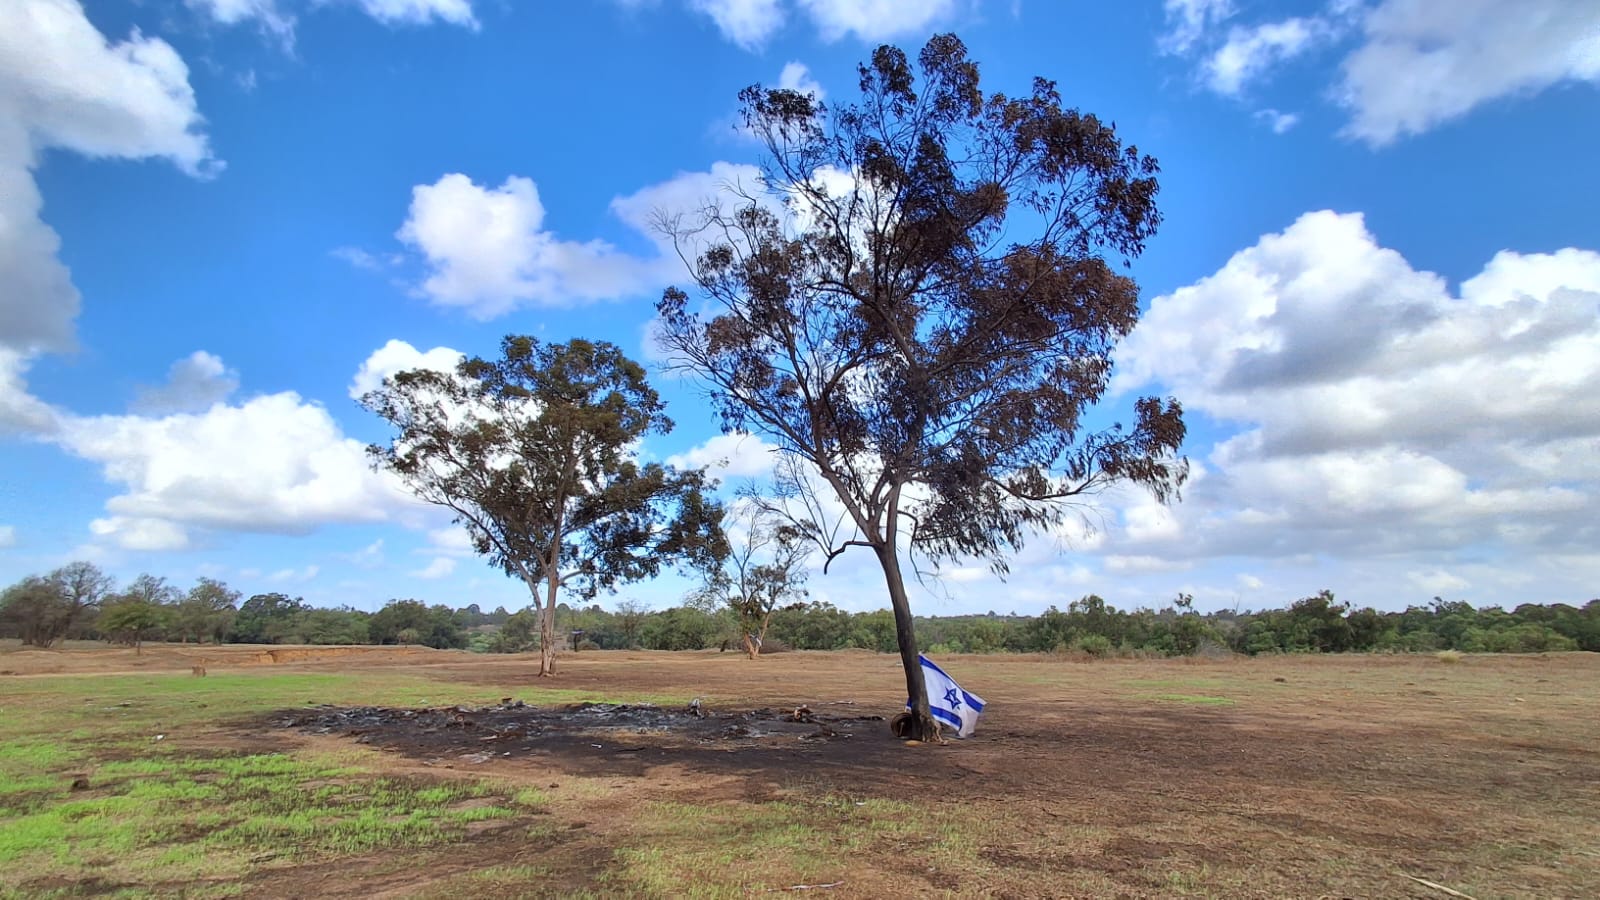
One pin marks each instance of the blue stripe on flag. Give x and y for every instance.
(945, 716)
(974, 702)
(929, 664)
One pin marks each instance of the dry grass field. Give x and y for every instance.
(1338, 776)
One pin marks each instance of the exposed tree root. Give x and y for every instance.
(908, 726)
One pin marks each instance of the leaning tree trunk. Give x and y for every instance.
(919, 724)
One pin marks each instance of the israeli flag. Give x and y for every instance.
(948, 703)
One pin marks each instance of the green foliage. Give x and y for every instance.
(1093, 644)
(144, 611)
(1314, 624)
(1318, 624)
(763, 570)
(681, 628)
(815, 626)
(533, 453)
(29, 610)
(924, 342)
(43, 610)
(414, 622)
(132, 620)
(874, 631)
(206, 613)
(519, 633)
(266, 619)
(333, 626)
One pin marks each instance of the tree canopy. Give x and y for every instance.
(43, 609)
(765, 569)
(918, 308)
(533, 453)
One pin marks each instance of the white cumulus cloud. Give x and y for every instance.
(1425, 62)
(275, 463)
(8, 536)
(1378, 412)
(277, 16)
(21, 413)
(751, 23)
(451, 540)
(488, 252)
(1248, 52)
(296, 576)
(187, 459)
(399, 356)
(440, 567)
(1408, 65)
(194, 383)
(1189, 21)
(877, 20)
(65, 85)
(796, 77)
(1438, 582)
(420, 12)
(747, 23)
(737, 455)
(1279, 122)
(133, 533)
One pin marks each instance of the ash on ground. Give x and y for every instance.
(514, 727)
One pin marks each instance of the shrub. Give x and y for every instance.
(1097, 645)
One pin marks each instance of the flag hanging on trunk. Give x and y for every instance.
(948, 703)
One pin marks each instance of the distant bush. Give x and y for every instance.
(1097, 645)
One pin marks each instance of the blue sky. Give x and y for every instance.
(1376, 289)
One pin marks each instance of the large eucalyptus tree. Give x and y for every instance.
(918, 305)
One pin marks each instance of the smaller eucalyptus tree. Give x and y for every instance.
(533, 453)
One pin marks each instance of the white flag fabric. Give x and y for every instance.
(948, 703)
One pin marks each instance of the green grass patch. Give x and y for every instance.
(29, 773)
(157, 813)
(205, 819)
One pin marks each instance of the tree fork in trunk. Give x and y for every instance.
(920, 724)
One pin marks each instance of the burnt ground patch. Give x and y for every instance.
(769, 743)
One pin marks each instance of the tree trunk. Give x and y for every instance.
(547, 627)
(761, 636)
(921, 726)
(751, 648)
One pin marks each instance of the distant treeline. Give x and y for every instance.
(1090, 626)
(79, 602)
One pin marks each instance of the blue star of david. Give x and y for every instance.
(952, 698)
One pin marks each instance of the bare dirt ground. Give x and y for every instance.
(1336, 776)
